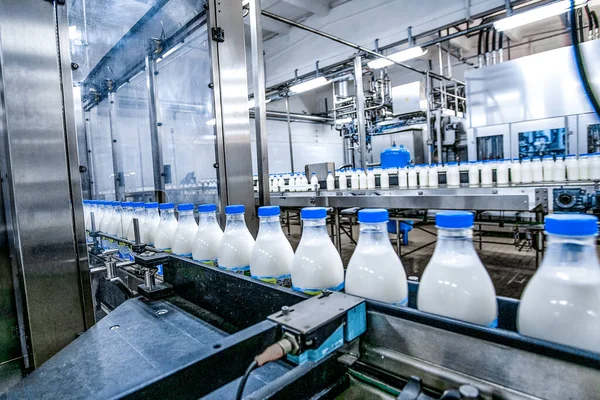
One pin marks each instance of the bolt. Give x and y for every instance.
(161, 312)
(114, 327)
(285, 310)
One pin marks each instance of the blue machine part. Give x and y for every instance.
(395, 157)
(573, 200)
(356, 323)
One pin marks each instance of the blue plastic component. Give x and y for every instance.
(373, 215)
(126, 204)
(166, 206)
(405, 227)
(185, 207)
(454, 219)
(207, 207)
(269, 211)
(356, 323)
(333, 342)
(235, 209)
(571, 225)
(139, 204)
(313, 213)
(152, 205)
(395, 157)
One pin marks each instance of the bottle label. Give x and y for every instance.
(245, 270)
(281, 280)
(402, 303)
(314, 292)
(212, 263)
(187, 255)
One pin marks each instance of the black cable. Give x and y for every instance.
(479, 42)
(595, 18)
(493, 40)
(589, 17)
(580, 19)
(487, 40)
(240, 390)
(580, 65)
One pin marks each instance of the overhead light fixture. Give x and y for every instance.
(309, 85)
(537, 14)
(401, 56)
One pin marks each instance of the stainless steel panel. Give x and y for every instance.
(155, 130)
(42, 188)
(412, 139)
(461, 358)
(539, 86)
(320, 169)
(408, 98)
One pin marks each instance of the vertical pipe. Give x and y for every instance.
(289, 126)
(438, 126)
(90, 150)
(260, 112)
(360, 110)
(155, 131)
(115, 145)
(442, 83)
(428, 110)
(338, 231)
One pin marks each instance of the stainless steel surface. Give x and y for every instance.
(231, 108)
(136, 231)
(360, 111)
(260, 111)
(409, 348)
(115, 142)
(408, 98)
(539, 86)
(429, 137)
(155, 131)
(42, 189)
(438, 134)
(90, 150)
(320, 169)
(412, 139)
(289, 128)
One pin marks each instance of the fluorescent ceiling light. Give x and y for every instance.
(537, 14)
(404, 55)
(309, 85)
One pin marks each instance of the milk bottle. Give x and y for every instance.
(515, 171)
(548, 168)
(594, 170)
(384, 179)
(526, 171)
(572, 167)
(453, 175)
(127, 216)
(317, 264)
(371, 179)
(412, 178)
(375, 271)
(330, 181)
(502, 173)
(209, 235)
(185, 234)
(561, 303)
(424, 176)
(342, 181)
(473, 174)
(584, 167)
(455, 283)
(151, 222)
(105, 222)
(139, 212)
(235, 248)
(559, 170)
(433, 176)
(536, 170)
(272, 254)
(115, 226)
(314, 182)
(402, 178)
(163, 234)
(354, 180)
(486, 174)
(362, 180)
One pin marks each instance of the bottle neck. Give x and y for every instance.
(186, 216)
(207, 218)
(235, 221)
(167, 215)
(571, 251)
(453, 239)
(374, 234)
(152, 212)
(139, 212)
(127, 211)
(312, 228)
(269, 225)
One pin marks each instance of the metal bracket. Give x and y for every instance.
(218, 34)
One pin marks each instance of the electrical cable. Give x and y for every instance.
(580, 64)
(590, 20)
(240, 390)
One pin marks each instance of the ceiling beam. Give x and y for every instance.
(317, 7)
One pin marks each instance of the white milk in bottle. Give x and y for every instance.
(473, 174)
(375, 271)
(237, 242)
(384, 179)
(515, 171)
(272, 254)
(561, 302)
(370, 179)
(317, 264)
(163, 234)
(139, 212)
(402, 178)
(354, 184)
(526, 171)
(150, 223)
(330, 181)
(433, 176)
(455, 283)
(342, 181)
(185, 234)
(209, 235)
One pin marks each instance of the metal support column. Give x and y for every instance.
(360, 110)
(115, 145)
(338, 230)
(155, 130)
(260, 112)
(289, 126)
(438, 129)
(428, 112)
(89, 148)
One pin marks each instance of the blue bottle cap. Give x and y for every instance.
(152, 205)
(115, 203)
(571, 224)
(139, 204)
(207, 207)
(313, 212)
(515, 159)
(373, 215)
(269, 211)
(126, 204)
(454, 219)
(547, 157)
(235, 209)
(166, 206)
(185, 207)
(452, 163)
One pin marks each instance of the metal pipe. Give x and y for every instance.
(289, 125)
(360, 110)
(448, 61)
(428, 111)
(136, 231)
(438, 127)
(115, 144)
(155, 131)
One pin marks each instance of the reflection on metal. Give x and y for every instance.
(289, 127)
(260, 119)
(90, 151)
(42, 198)
(115, 143)
(155, 131)
(360, 111)
(231, 108)
(536, 87)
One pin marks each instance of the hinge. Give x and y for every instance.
(218, 34)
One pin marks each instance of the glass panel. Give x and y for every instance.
(102, 151)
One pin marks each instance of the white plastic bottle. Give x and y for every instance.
(502, 173)
(559, 170)
(536, 170)
(354, 184)
(594, 171)
(384, 180)
(402, 178)
(515, 171)
(281, 183)
(375, 271)
(163, 234)
(486, 174)
(316, 265)
(106, 216)
(139, 212)
(342, 181)
(412, 178)
(424, 176)
(330, 182)
(561, 302)
(453, 175)
(208, 237)
(86, 214)
(237, 243)
(304, 179)
(572, 167)
(473, 174)
(583, 164)
(362, 179)
(115, 226)
(526, 171)
(548, 168)
(272, 254)
(314, 182)
(455, 283)
(127, 217)
(292, 183)
(185, 234)
(150, 223)
(434, 180)
(371, 179)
